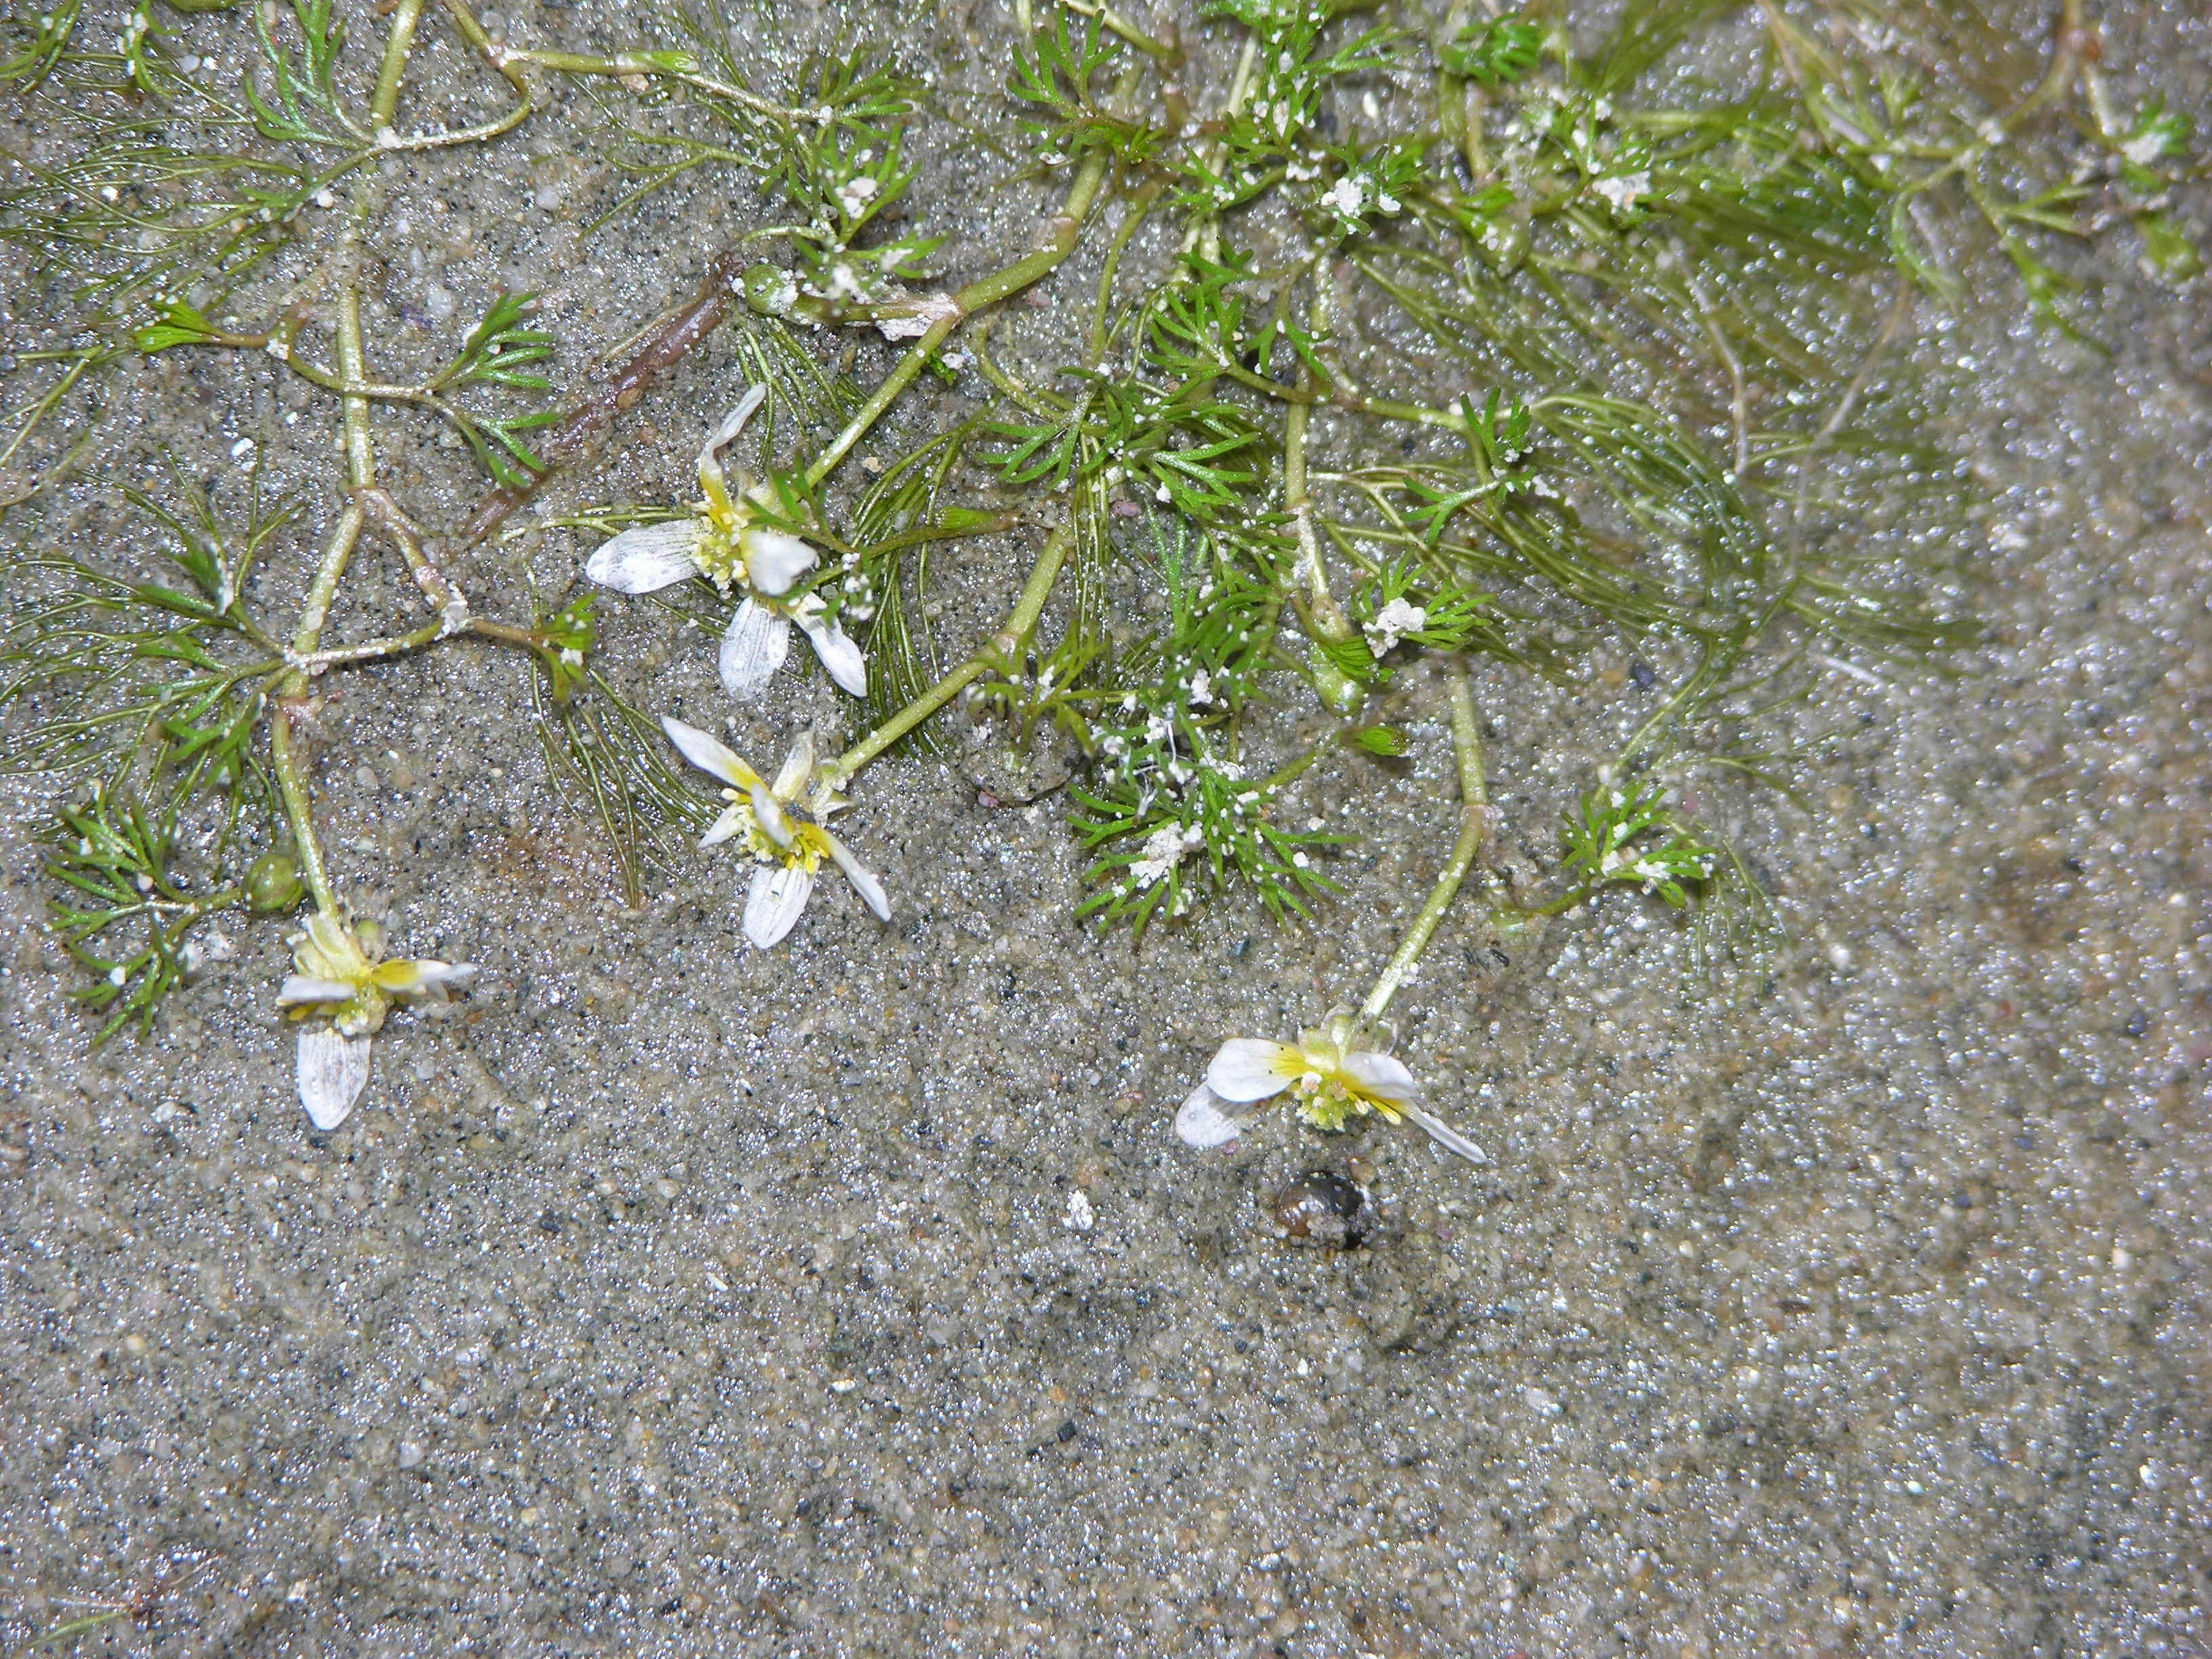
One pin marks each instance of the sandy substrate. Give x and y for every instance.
(668, 1297)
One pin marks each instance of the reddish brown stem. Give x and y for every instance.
(668, 345)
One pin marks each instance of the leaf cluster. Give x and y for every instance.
(144, 685)
(34, 43)
(1059, 74)
(1494, 51)
(502, 351)
(1171, 812)
(1627, 838)
(119, 911)
(1276, 134)
(301, 105)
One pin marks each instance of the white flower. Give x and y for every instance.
(722, 541)
(1392, 624)
(343, 976)
(781, 824)
(1334, 1081)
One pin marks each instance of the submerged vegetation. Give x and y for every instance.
(1452, 333)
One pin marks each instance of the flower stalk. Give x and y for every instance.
(1474, 832)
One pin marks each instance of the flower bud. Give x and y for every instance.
(273, 883)
(1338, 692)
(769, 290)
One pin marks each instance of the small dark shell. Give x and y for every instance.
(1322, 1207)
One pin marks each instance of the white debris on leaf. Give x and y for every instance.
(854, 195)
(1163, 851)
(1623, 192)
(1346, 197)
(2147, 146)
(1392, 624)
(937, 308)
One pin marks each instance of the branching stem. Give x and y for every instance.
(1007, 641)
(1057, 243)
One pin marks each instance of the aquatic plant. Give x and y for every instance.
(1419, 334)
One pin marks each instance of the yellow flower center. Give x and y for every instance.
(720, 554)
(809, 846)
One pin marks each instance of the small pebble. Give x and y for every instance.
(1322, 1207)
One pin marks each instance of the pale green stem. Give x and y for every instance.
(1139, 205)
(360, 476)
(1205, 234)
(677, 67)
(1388, 410)
(360, 453)
(430, 633)
(1329, 618)
(1121, 25)
(1007, 641)
(397, 46)
(1474, 828)
(325, 588)
(954, 309)
(896, 381)
(297, 810)
(440, 594)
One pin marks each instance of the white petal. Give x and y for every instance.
(429, 977)
(797, 766)
(299, 991)
(1250, 1068)
(731, 821)
(709, 753)
(863, 879)
(1445, 1136)
(775, 559)
(839, 654)
(734, 422)
(768, 812)
(752, 650)
(333, 1070)
(648, 558)
(1380, 1076)
(1201, 1123)
(774, 900)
